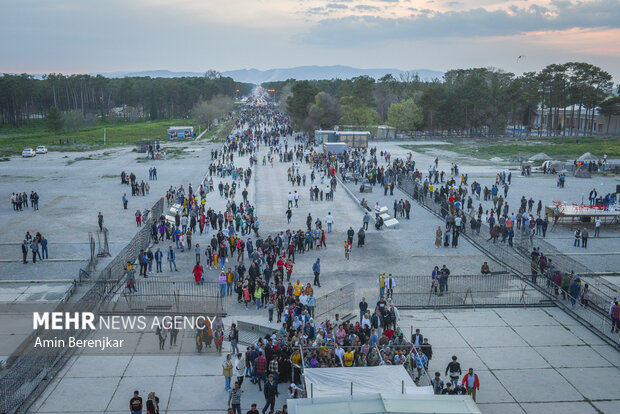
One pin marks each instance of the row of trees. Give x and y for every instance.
(478, 101)
(23, 97)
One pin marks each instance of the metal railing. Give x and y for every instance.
(517, 259)
(341, 301)
(168, 298)
(31, 368)
(494, 290)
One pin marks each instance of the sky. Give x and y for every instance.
(86, 36)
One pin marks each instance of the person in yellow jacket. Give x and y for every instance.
(381, 283)
(348, 357)
(297, 288)
(258, 294)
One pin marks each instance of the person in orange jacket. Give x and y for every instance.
(471, 383)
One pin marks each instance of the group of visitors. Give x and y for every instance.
(19, 201)
(37, 245)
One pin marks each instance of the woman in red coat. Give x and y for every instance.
(197, 273)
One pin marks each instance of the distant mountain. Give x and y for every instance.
(322, 72)
(257, 76)
(152, 74)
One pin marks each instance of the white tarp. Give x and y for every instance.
(385, 404)
(587, 157)
(328, 382)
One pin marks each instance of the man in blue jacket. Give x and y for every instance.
(316, 268)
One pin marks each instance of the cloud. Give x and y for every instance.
(337, 6)
(366, 7)
(454, 3)
(479, 22)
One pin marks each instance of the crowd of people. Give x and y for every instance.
(19, 201)
(36, 245)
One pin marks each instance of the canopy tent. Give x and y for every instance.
(541, 156)
(385, 403)
(329, 382)
(587, 157)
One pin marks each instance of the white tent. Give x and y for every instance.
(382, 403)
(541, 156)
(331, 382)
(587, 157)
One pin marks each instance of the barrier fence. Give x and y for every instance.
(165, 297)
(31, 368)
(341, 301)
(517, 259)
(495, 290)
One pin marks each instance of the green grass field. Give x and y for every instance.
(556, 148)
(14, 140)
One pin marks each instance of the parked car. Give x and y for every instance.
(41, 149)
(28, 152)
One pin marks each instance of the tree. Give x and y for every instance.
(205, 112)
(405, 115)
(610, 107)
(212, 74)
(355, 113)
(298, 104)
(324, 113)
(53, 120)
(74, 120)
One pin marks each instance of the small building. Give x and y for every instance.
(180, 132)
(322, 136)
(334, 147)
(354, 139)
(386, 132)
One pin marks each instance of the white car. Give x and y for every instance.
(41, 149)
(28, 152)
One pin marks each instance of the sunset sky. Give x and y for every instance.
(76, 36)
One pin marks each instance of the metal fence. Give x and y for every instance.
(341, 301)
(31, 368)
(466, 291)
(516, 259)
(165, 297)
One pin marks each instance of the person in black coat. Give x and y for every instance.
(271, 392)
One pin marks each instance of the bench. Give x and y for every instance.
(391, 223)
(384, 216)
(383, 210)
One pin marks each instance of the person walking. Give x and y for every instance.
(454, 369)
(240, 368)
(471, 383)
(366, 220)
(271, 392)
(125, 201)
(597, 227)
(233, 337)
(25, 252)
(234, 398)
(584, 238)
(438, 238)
(171, 259)
(158, 259)
(227, 371)
(100, 221)
(329, 219)
(316, 268)
(135, 403)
